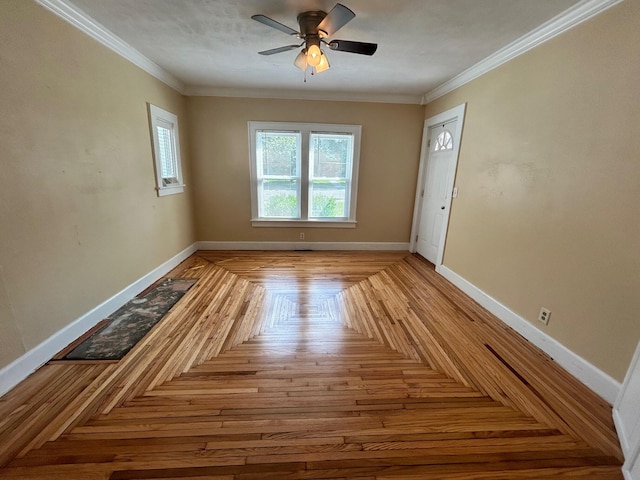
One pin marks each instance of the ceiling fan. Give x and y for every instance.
(315, 29)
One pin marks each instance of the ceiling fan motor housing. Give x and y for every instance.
(309, 22)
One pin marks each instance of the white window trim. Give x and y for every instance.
(160, 117)
(305, 130)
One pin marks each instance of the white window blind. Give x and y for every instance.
(167, 155)
(166, 149)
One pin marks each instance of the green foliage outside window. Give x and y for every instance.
(285, 205)
(326, 206)
(281, 205)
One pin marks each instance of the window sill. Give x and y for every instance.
(304, 223)
(172, 190)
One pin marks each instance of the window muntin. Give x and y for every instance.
(303, 173)
(166, 151)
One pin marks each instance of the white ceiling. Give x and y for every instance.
(211, 45)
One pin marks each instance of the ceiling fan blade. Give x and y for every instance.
(337, 18)
(280, 49)
(270, 22)
(362, 48)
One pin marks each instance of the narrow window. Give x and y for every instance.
(166, 151)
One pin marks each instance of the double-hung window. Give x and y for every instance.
(166, 151)
(304, 173)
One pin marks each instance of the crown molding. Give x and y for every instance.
(302, 95)
(575, 15)
(568, 19)
(76, 17)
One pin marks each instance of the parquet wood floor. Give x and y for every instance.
(312, 365)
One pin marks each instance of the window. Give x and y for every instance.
(166, 151)
(444, 141)
(304, 173)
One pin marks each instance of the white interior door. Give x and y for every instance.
(434, 211)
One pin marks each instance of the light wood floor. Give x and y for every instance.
(312, 365)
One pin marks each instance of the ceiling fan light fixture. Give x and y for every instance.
(314, 55)
(301, 60)
(324, 63)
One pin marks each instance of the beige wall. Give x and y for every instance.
(549, 181)
(79, 216)
(390, 151)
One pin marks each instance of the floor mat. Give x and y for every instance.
(129, 324)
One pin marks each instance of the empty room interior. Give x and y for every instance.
(372, 240)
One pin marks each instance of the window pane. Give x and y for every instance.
(167, 161)
(278, 153)
(279, 198)
(328, 199)
(448, 141)
(444, 141)
(330, 155)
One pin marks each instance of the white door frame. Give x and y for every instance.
(456, 113)
(628, 425)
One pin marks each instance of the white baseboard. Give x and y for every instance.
(25, 365)
(594, 378)
(380, 246)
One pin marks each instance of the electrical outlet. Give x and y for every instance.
(301, 235)
(544, 315)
